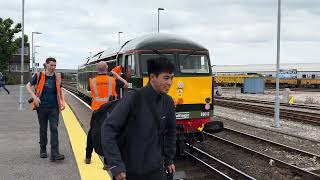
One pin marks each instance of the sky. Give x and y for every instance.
(235, 32)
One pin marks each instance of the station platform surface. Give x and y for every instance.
(19, 147)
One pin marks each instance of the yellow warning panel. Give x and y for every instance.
(291, 100)
(78, 139)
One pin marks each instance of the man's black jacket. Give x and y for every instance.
(145, 149)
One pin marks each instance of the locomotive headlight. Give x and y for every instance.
(180, 101)
(180, 85)
(208, 100)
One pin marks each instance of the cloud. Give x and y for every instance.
(235, 31)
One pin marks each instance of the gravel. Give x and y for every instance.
(290, 156)
(280, 137)
(269, 95)
(295, 128)
(252, 164)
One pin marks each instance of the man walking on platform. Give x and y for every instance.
(103, 88)
(3, 82)
(48, 101)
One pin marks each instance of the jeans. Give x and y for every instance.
(46, 114)
(2, 86)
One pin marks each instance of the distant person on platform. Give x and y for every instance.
(3, 82)
(48, 101)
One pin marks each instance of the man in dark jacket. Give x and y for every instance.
(3, 82)
(150, 134)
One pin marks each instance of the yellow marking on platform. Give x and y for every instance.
(78, 140)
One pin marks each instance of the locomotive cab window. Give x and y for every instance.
(130, 65)
(193, 63)
(145, 57)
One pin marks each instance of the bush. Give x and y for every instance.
(10, 80)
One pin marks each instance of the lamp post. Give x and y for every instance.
(277, 98)
(119, 36)
(159, 9)
(34, 57)
(32, 54)
(21, 102)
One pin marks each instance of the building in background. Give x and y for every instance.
(14, 68)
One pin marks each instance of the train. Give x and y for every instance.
(293, 82)
(192, 88)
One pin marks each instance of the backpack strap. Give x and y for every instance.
(38, 77)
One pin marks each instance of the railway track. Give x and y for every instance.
(304, 159)
(279, 168)
(265, 109)
(218, 168)
(301, 106)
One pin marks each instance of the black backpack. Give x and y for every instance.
(99, 116)
(97, 120)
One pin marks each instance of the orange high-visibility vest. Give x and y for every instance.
(117, 69)
(102, 87)
(40, 85)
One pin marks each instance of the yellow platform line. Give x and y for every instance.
(78, 139)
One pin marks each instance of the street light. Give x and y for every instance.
(159, 9)
(119, 36)
(21, 102)
(34, 57)
(32, 54)
(277, 98)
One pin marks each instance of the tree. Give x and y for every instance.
(8, 43)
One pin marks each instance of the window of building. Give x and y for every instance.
(26, 51)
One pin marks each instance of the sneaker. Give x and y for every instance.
(57, 157)
(43, 153)
(87, 160)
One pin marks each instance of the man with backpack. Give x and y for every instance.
(103, 88)
(139, 136)
(48, 101)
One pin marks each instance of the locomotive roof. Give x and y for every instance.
(161, 41)
(151, 42)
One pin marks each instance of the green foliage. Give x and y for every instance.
(10, 80)
(8, 44)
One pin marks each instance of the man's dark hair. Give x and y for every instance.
(50, 59)
(160, 65)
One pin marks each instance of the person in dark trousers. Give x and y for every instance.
(103, 88)
(149, 148)
(48, 101)
(3, 82)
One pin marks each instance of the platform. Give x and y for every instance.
(19, 147)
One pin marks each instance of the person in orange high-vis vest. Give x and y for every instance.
(48, 100)
(117, 69)
(103, 89)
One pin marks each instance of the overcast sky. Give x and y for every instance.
(234, 31)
